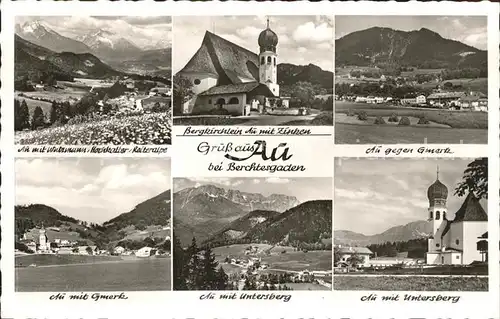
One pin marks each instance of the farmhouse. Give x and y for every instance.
(119, 250)
(475, 101)
(227, 76)
(144, 252)
(346, 253)
(445, 99)
(454, 241)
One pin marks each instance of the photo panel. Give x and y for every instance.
(411, 224)
(411, 79)
(93, 80)
(253, 70)
(92, 224)
(252, 233)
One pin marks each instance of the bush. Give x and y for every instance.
(379, 120)
(404, 121)
(218, 111)
(423, 120)
(324, 118)
(362, 116)
(393, 118)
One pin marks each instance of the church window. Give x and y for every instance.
(234, 100)
(431, 215)
(196, 81)
(209, 101)
(274, 61)
(221, 101)
(262, 60)
(438, 215)
(444, 215)
(268, 60)
(457, 257)
(457, 242)
(437, 245)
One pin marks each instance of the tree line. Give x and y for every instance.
(416, 248)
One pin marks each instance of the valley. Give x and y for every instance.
(258, 241)
(88, 90)
(390, 90)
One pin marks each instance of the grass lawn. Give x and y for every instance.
(46, 260)
(322, 119)
(395, 283)
(461, 127)
(380, 134)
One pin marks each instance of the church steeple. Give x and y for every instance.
(268, 40)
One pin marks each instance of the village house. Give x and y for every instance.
(144, 252)
(346, 253)
(445, 99)
(119, 250)
(227, 76)
(475, 101)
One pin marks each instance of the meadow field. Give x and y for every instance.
(52, 260)
(445, 126)
(145, 129)
(409, 283)
(281, 257)
(148, 274)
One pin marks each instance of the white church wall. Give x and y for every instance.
(432, 259)
(201, 82)
(472, 230)
(456, 236)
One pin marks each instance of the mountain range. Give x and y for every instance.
(289, 74)
(108, 46)
(153, 211)
(422, 48)
(217, 215)
(413, 230)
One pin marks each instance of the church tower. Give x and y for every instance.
(437, 195)
(268, 60)
(43, 239)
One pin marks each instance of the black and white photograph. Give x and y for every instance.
(83, 80)
(253, 70)
(92, 224)
(411, 79)
(411, 224)
(252, 233)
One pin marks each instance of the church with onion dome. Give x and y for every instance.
(454, 241)
(227, 76)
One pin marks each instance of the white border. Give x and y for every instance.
(335, 304)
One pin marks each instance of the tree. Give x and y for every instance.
(75, 250)
(475, 179)
(337, 256)
(183, 91)
(21, 115)
(354, 260)
(38, 118)
(210, 276)
(304, 92)
(179, 263)
(222, 280)
(89, 250)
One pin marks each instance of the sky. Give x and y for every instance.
(304, 188)
(301, 39)
(90, 189)
(142, 31)
(373, 195)
(471, 30)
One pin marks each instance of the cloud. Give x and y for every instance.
(107, 187)
(277, 180)
(309, 32)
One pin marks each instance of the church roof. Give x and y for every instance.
(235, 88)
(232, 63)
(471, 210)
